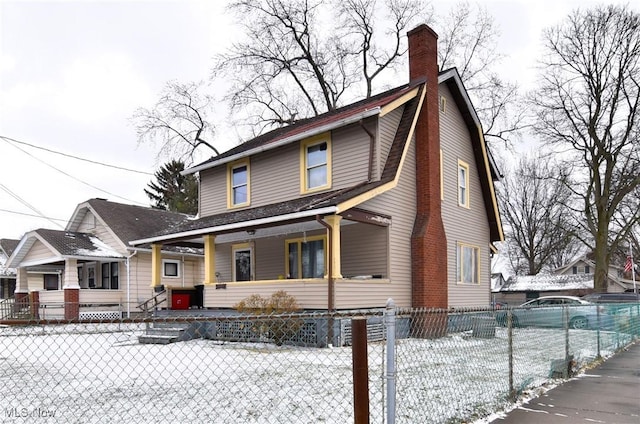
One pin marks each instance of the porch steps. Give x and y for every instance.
(165, 334)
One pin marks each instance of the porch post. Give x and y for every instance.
(21, 294)
(209, 259)
(334, 249)
(156, 265)
(71, 289)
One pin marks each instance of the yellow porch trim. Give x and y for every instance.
(209, 259)
(334, 223)
(156, 265)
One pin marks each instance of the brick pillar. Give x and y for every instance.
(428, 241)
(35, 304)
(71, 290)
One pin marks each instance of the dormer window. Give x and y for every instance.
(238, 184)
(316, 163)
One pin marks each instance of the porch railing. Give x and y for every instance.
(152, 303)
(10, 309)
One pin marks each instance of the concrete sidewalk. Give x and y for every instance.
(608, 394)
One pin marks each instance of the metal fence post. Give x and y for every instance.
(512, 393)
(360, 370)
(390, 373)
(565, 368)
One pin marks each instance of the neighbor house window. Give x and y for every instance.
(110, 275)
(463, 184)
(242, 262)
(170, 268)
(468, 264)
(306, 257)
(238, 184)
(315, 163)
(51, 282)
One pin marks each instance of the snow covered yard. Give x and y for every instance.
(99, 373)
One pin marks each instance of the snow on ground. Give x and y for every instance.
(100, 373)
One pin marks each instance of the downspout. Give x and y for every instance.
(330, 280)
(129, 283)
(183, 270)
(371, 147)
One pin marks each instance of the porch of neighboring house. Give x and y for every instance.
(72, 289)
(339, 262)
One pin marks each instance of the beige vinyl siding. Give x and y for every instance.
(140, 275)
(311, 294)
(388, 127)
(401, 205)
(92, 225)
(350, 147)
(88, 224)
(364, 250)
(465, 225)
(39, 251)
(275, 174)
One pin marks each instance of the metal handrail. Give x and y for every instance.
(144, 306)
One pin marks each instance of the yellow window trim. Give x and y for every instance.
(299, 240)
(230, 167)
(441, 176)
(459, 247)
(320, 138)
(463, 165)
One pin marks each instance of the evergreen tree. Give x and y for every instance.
(173, 191)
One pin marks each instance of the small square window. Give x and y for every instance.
(170, 268)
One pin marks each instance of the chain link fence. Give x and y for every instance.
(442, 366)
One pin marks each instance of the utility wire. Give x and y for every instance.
(27, 204)
(33, 215)
(77, 179)
(9, 140)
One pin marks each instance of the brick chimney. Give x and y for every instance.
(428, 241)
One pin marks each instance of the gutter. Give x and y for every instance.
(305, 134)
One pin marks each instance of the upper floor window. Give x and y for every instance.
(467, 264)
(238, 184)
(463, 184)
(316, 163)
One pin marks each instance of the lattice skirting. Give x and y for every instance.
(101, 315)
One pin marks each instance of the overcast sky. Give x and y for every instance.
(73, 72)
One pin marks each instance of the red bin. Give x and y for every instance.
(180, 301)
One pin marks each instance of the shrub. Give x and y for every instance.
(279, 329)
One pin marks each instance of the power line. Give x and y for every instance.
(9, 140)
(27, 204)
(71, 176)
(33, 215)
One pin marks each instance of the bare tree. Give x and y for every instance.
(179, 121)
(588, 101)
(538, 229)
(302, 58)
(467, 40)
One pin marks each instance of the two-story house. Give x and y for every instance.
(389, 197)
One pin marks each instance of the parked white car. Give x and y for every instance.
(549, 311)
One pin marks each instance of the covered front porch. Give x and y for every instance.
(327, 262)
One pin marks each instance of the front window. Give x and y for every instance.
(306, 257)
(238, 184)
(110, 275)
(170, 268)
(468, 264)
(316, 163)
(463, 184)
(51, 282)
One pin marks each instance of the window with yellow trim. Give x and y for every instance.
(306, 257)
(316, 163)
(238, 184)
(467, 264)
(463, 184)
